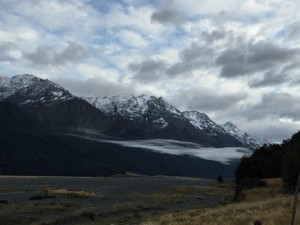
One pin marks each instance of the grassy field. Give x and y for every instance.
(138, 200)
(267, 204)
(100, 200)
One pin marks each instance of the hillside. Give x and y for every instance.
(29, 148)
(127, 117)
(276, 160)
(266, 204)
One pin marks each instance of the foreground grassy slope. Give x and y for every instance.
(266, 204)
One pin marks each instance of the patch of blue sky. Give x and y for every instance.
(59, 32)
(248, 20)
(106, 6)
(282, 34)
(178, 34)
(103, 6)
(105, 60)
(141, 3)
(252, 19)
(108, 46)
(113, 66)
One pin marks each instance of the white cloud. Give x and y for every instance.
(182, 56)
(186, 148)
(132, 39)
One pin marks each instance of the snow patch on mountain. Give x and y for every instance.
(251, 142)
(129, 106)
(171, 108)
(121, 105)
(161, 123)
(202, 122)
(29, 89)
(146, 111)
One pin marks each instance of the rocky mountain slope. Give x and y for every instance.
(139, 108)
(145, 117)
(51, 104)
(30, 148)
(129, 117)
(29, 90)
(249, 141)
(203, 122)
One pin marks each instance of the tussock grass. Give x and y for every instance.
(182, 193)
(267, 204)
(273, 188)
(127, 206)
(275, 211)
(69, 193)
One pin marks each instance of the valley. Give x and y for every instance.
(122, 199)
(46, 130)
(135, 199)
(161, 112)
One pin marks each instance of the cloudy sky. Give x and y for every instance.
(235, 60)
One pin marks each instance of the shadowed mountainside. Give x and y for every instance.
(29, 148)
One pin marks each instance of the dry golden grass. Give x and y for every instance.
(70, 193)
(273, 188)
(182, 193)
(266, 204)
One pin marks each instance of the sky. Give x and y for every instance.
(235, 60)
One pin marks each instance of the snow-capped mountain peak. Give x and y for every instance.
(135, 116)
(146, 109)
(203, 122)
(129, 105)
(4, 80)
(232, 129)
(251, 142)
(121, 105)
(29, 89)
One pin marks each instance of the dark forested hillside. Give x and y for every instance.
(291, 161)
(276, 160)
(28, 148)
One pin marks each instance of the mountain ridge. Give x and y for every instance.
(118, 106)
(30, 148)
(130, 117)
(248, 140)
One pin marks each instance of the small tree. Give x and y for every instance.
(220, 178)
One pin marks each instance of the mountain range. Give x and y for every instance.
(142, 117)
(129, 117)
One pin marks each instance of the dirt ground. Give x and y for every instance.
(102, 200)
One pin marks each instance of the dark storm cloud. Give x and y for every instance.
(4, 51)
(295, 82)
(215, 35)
(206, 100)
(41, 56)
(246, 59)
(168, 14)
(45, 55)
(192, 58)
(149, 70)
(294, 30)
(95, 87)
(269, 79)
(273, 105)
